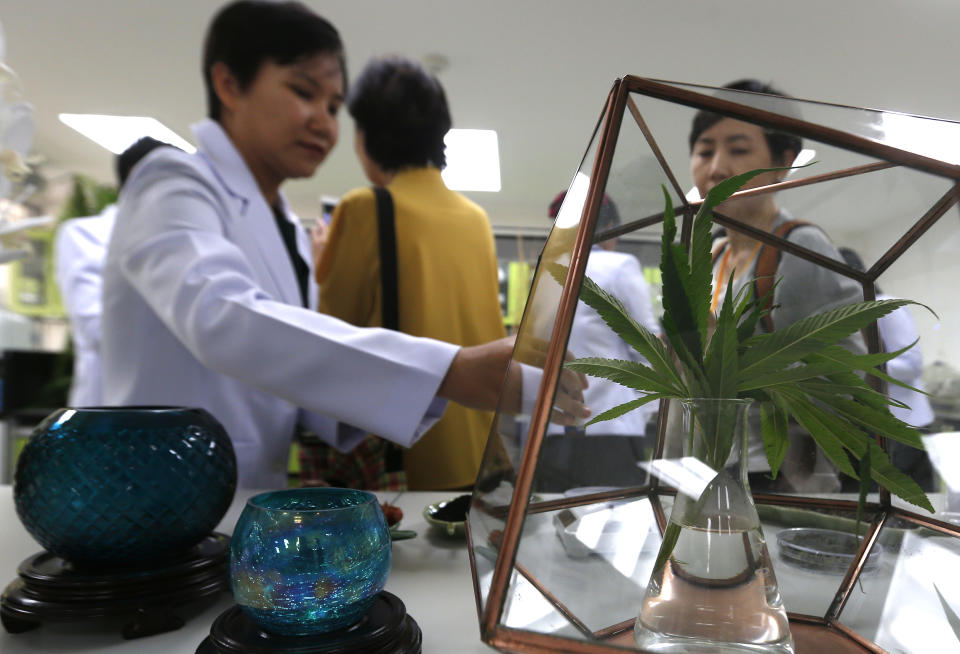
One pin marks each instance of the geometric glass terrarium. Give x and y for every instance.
(565, 525)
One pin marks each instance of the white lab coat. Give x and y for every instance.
(620, 275)
(897, 330)
(202, 308)
(79, 251)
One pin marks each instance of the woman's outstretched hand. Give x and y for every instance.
(478, 374)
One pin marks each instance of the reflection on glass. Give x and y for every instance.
(494, 489)
(944, 452)
(931, 138)
(912, 605)
(689, 475)
(569, 215)
(927, 273)
(592, 559)
(808, 586)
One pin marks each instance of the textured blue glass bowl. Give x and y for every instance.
(124, 486)
(309, 560)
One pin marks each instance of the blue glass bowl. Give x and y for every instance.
(124, 486)
(306, 561)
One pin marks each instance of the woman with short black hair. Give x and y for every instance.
(209, 299)
(445, 257)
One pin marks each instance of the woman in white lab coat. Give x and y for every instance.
(79, 253)
(208, 295)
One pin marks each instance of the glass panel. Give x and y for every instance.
(811, 549)
(876, 207)
(494, 488)
(912, 602)
(594, 558)
(610, 453)
(937, 139)
(927, 273)
(589, 536)
(857, 200)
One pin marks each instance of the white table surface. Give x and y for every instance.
(430, 573)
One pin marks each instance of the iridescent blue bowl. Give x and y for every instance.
(129, 487)
(306, 561)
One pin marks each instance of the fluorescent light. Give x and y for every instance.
(473, 160)
(117, 133)
(926, 136)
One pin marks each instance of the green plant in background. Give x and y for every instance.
(33, 287)
(87, 198)
(799, 370)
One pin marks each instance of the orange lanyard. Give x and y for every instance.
(721, 278)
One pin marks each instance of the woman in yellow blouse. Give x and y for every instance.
(446, 261)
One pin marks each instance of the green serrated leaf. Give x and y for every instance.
(864, 362)
(626, 407)
(881, 422)
(810, 418)
(850, 436)
(721, 363)
(901, 485)
(700, 281)
(776, 439)
(790, 375)
(680, 321)
(828, 388)
(631, 374)
(775, 351)
(648, 344)
(799, 370)
(747, 313)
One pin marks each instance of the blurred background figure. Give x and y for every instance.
(897, 330)
(445, 270)
(611, 451)
(722, 147)
(79, 253)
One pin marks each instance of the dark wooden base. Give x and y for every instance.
(50, 589)
(385, 629)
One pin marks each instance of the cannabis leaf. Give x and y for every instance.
(797, 372)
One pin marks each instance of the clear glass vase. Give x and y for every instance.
(713, 588)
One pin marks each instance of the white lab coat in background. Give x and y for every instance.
(202, 308)
(79, 251)
(897, 330)
(620, 275)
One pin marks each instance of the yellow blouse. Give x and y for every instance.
(448, 290)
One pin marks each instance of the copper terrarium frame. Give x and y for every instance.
(824, 631)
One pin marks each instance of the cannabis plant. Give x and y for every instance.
(799, 370)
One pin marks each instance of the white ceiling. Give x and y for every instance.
(537, 71)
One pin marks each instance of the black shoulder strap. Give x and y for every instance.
(387, 235)
(388, 258)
